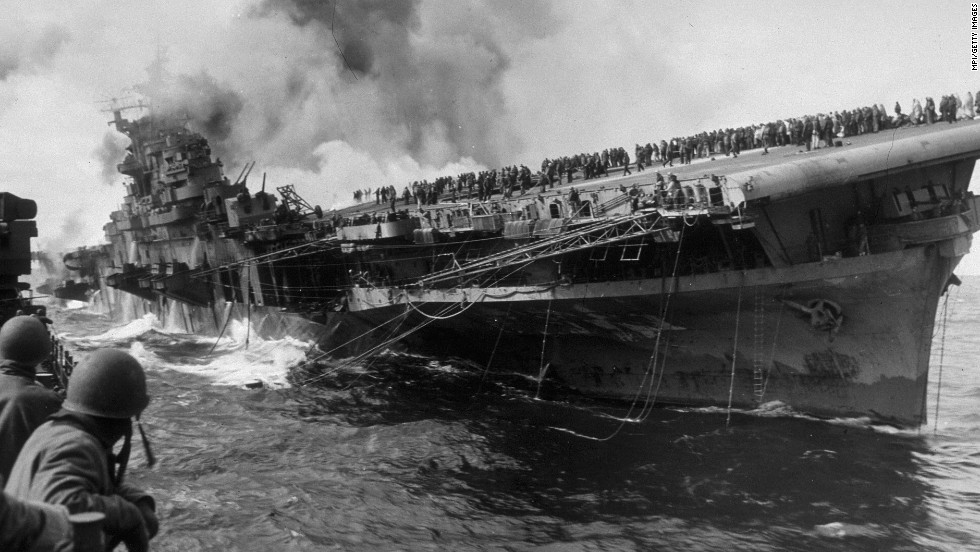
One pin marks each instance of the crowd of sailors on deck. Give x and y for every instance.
(809, 131)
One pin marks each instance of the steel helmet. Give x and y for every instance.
(109, 384)
(25, 339)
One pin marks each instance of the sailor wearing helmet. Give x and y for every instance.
(69, 460)
(24, 404)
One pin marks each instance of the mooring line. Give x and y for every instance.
(731, 385)
(942, 352)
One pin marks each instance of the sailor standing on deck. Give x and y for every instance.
(574, 201)
(24, 404)
(69, 460)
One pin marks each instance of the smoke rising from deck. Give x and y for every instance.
(391, 80)
(109, 153)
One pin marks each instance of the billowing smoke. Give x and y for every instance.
(209, 107)
(437, 80)
(389, 78)
(46, 262)
(389, 21)
(111, 151)
(26, 48)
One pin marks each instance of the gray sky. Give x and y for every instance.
(335, 96)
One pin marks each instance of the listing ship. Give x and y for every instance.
(811, 278)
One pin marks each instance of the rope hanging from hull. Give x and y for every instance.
(224, 327)
(651, 399)
(731, 385)
(942, 351)
(493, 352)
(758, 342)
(248, 306)
(651, 370)
(542, 368)
(772, 352)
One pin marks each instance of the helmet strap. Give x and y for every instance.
(150, 459)
(122, 459)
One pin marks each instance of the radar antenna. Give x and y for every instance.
(118, 105)
(122, 104)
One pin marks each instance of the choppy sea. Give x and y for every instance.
(416, 453)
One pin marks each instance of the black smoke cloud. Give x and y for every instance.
(208, 106)
(437, 75)
(212, 107)
(390, 78)
(357, 28)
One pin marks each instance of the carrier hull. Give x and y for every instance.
(726, 338)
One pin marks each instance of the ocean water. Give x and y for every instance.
(414, 453)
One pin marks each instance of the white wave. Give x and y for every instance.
(778, 409)
(174, 321)
(839, 530)
(238, 357)
(775, 409)
(265, 361)
(126, 332)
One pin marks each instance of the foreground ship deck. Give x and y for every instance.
(808, 277)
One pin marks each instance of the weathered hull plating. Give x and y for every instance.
(604, 339)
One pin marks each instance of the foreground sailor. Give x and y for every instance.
(69, 459)
(24, 404)
(33, 527)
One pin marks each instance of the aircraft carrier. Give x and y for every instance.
(808, 277)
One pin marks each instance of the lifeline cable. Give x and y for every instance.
(772, 353)
(372, 350)
(248, 306)
(731, 386)
(660, 378)
(385, 342)
(942, 351)
(648, 403)
(223, 328)
(651, 400)
(357, 358)
(438, 317)
(362, 355)
(486, 369)
(544, 338)
(355, 338)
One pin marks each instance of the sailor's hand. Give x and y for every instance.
(137, 539)
(149, 518)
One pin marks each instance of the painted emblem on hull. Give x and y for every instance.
(824, 314)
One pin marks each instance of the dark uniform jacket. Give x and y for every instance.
(24, 405)
(28, 527)
(63, 462)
